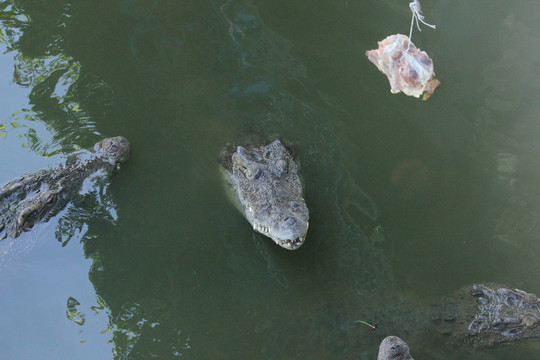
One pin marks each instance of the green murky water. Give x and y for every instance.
(409, 200)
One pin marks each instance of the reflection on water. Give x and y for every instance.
(408, 200)
(58, 85)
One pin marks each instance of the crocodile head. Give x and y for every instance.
(504, 315)
(115, 150)
(484, 315)
(393, 348)
(267, 189)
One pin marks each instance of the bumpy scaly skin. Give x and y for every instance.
(39, 196)
(484, 315)
(393, 348)
(267, 190)
(476, 317)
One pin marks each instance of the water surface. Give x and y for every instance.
(409, 200)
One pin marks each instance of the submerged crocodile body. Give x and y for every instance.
(477, 317)
(266, 188)
(39, 196)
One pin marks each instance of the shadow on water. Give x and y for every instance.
(180, 273)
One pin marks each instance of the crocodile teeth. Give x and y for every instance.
(261, 229)
(293, 244)
(288, 244)
(285, 243)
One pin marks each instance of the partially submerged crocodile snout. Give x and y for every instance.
(38, 196)
(115, 150)
(393, 348)
(266, 188)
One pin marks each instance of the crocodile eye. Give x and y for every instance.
(281, 165)
(529, 321)
(112, 147)
(251, 171)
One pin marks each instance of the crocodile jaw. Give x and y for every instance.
(284, 243)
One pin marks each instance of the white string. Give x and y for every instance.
(417, 15)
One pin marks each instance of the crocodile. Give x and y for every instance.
(477, 317)
(484, 315)
(39, 196)
(265, 186)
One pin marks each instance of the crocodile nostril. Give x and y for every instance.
(289, 221)
(395, 349)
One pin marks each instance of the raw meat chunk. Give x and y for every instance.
(408, 68)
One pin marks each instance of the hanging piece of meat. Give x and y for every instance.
(408, 69)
